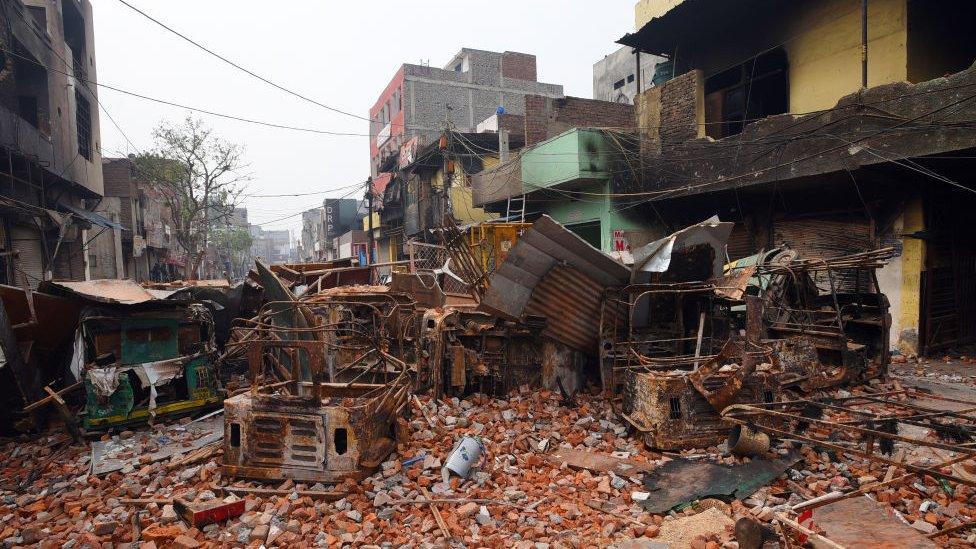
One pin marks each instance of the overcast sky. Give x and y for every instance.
(336, 52)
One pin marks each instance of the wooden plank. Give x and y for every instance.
(326, 495)
(52, 396)
(437, 514)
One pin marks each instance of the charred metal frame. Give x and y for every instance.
(312, 430)
(676, 379)
(832, 335)
(865, 425)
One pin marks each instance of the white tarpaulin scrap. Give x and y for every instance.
(656, 256)
(161, 373)
(104, 380)
(78, 354)
(154, 374)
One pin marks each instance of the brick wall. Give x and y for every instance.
(545, 117)
(681, 107)
(518, 65)
(117, 175)
(515, 124)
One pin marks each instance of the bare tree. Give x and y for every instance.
(198, 173)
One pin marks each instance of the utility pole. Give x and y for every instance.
(864, 43)
(637, 74)
(369, 202)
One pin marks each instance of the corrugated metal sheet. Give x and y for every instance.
(568, 299)
(125, 292)
(554, 273)
(827, 236)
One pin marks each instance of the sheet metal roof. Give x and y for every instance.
(92, 217)
(554, 273)
(122, 292)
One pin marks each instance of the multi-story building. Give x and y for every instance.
(568, 169)
(618, 76)
(140, 250)
(280, 245)
(420, 100)
(270, 246)
(340, 215)
(50, 165)
(826, 127)
(310, 244)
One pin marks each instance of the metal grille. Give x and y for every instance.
(426, 257)
(280, 440)
(83, 120)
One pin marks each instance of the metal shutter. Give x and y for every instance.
(826, 235)
(741, 243)
(30, 257)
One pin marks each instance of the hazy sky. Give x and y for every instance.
(339, 53)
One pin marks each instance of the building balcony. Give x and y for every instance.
(19, 136)
(573, 158)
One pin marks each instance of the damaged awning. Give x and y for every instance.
(121, 292)
(554, 273)
(92, 217)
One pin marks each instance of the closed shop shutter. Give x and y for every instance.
(741, 243)
(5, 266)
(30, 256)
(825, 236)
(829, 235)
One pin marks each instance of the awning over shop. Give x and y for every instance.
(92, 217)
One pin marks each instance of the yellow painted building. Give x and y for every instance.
(803, 57)
(822, 41)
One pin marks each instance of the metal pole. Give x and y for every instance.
(864, 43)
(372, 239)
(638, 75)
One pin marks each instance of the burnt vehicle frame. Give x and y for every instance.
(826, 318)
(674, 377)
(301, 424)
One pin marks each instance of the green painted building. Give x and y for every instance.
(571, 178)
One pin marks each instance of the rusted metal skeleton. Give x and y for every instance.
(304, 421)
(826, 318)
(676, 375)
(867, 425)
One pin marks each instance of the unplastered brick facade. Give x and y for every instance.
(465, 92)
(682, 109)
(520, 66)
(546, 117)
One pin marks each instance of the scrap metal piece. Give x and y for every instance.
(656, 257)
(865, 425)
(863, 522)
(682, 481)
(122, 292)
(553, 273)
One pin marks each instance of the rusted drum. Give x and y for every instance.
(744, 441)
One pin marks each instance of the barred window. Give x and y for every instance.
(83, 123)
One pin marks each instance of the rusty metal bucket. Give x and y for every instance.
(744, 441)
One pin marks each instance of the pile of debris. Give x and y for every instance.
(548, 397)
(551, 472)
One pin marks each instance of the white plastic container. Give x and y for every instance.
(466, 454)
